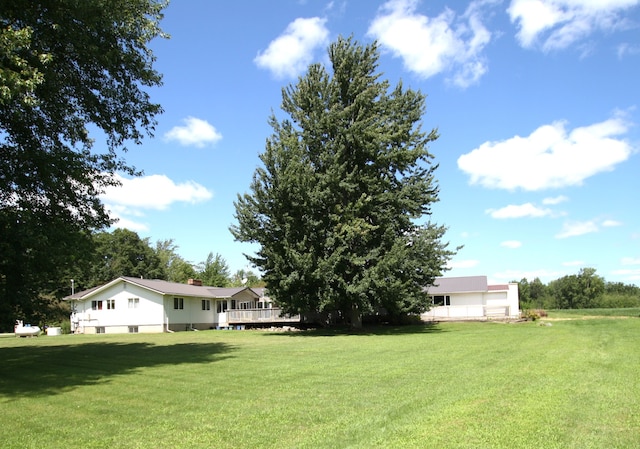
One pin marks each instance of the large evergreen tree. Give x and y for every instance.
(70, 72)
(339, 206)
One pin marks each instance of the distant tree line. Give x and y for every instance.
(124, 253)
(585, 290)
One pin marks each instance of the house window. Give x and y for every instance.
(100, 330)
(260, 305)
(233, 303)
(178, 303)
(111, 304)
(133, 329)
(441, 300)
(134, 303)
(96, 305)
(206, 304)
(245, 305)
(221, 306)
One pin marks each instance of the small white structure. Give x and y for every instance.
(54, 331)
(471, 298)
(133, 305)
(20, 330)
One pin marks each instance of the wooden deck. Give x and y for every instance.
(258, 316)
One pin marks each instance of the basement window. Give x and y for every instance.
(100, 330)
(133, 329)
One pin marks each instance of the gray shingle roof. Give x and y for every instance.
(173, 288)
(458, 284)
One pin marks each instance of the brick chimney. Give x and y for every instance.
(196, 282)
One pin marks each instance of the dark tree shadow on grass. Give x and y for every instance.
(378, 329)
(50, 370)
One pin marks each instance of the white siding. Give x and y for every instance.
(478, 305)
(191, 316)
(503, 300)
(148, 313)
(466, 299)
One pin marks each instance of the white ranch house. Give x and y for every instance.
(129, 304)
(472, 298)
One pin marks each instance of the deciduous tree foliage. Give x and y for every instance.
(67, 67)
(338, 206)
(214, 271)
(245, 278)
(579, 291)
(584, 290)
(178, 269)
(124, 253)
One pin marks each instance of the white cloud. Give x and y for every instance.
(611, 223)
(128, 202)
(625, 49)
(555, 200)
(289, 54)
(550, 157)
(125, 223)
(628, 274)
(196, 132)
(576, 228)
(154, 192)
(512, 244)
(518, 211)
(431, 45)
(469, 263)
(559, 23)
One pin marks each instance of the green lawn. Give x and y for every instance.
(574, 384)
(587, 313)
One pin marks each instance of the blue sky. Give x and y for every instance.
(536, 103)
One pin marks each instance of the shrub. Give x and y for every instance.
(534, 314)
(66, 327)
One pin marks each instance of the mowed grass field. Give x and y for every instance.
(573, 384)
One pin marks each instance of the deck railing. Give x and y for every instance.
(273, 315)
(468, 312)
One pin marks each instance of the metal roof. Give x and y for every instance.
(458, 285)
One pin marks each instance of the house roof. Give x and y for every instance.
(169, 288)
(458, 285)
